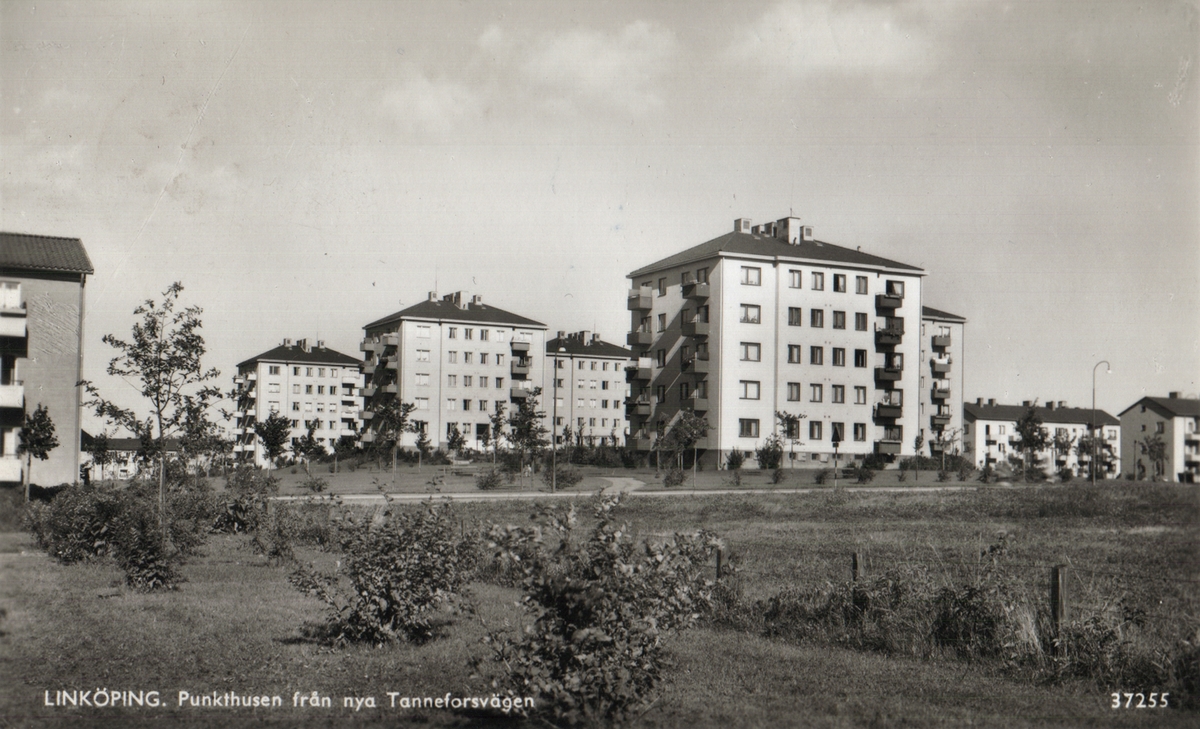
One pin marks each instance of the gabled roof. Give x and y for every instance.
(1172, 407)
(442, 310)
(295, 353)
(764, 245)
(43, 253)
(1013, 413)
(928, 312)
(577, 347)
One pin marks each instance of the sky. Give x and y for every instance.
(304, 168)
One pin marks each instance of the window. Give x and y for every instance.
(817, 392)
(838, 393)
(467, 380)
(593, 384)
(483, 358)
(751, 276)
(794, 316)
(592, 402)
(860, 432)
(795, 354)
(296, 371)
(308, 371)
(273, 406)
(702, 275)
(795, 279)
(839, 320)
(296, 406)
(839, 283)
(751, 314)
(423, 379)
(751, 352)
(748, 428)
(814, 430)
(816, 318)
(320, 372)
(500, 360)
(451, 404)
(468, 357)
(895, 288)
(468, 333)
(893, 432)
(604, 384)
(839, 357)
(483, 334)
(1160, 427)
(273, 370)
(579, 402)
(662, 287)
(10, 295)
(422, 403)
(308, 389)
(499, 383)
(660, 393)
(579, 383)
(295, 389)
(422, 355)
(660, 358)
(662, 326)
(422, 332)
(320, 389)
(593, 367)
(860, 358)
(860, 285)
(860, 322)
(818, 280)
(452, 333)
(816, 355)
(793, 391)
(452, 357)
(860, 395)
(579, 366)
(749, 389)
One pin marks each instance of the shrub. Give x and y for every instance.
(862, 474)
(248, 490)
(964, 471)
(770, 453)
(674, 477)
(943, 476)
(735, 459)
(567, 476)
(820, 477)
(632, 458)
(987, 474)
(778, 476)
(1065, 475)
(601, 609)
(968, 619)
(315, 484)
(489, 480)
(395, 574)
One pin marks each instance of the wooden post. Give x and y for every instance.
(1058, 605)
(856, 566)
(720, 554)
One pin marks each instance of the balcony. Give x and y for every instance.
(695, 329)
(940, 393)
(252, 377)
(12, 322)
(885, 410)
(347, 433)
(887, 447)
(370, 346)
(641, 441)
(518, 393)
(888, 374)
(367, 437)
(640, 406)
(639, 300)
(941, 341)
(391, 389)
(390, 340)
(888, 337)
(699, 403)
(368, 368)
(695, 290)
(697, 364)
(369, 391)
(243, 448)
(350, 379)
(520, 367)
(12, 396)
(639, 339)
(517, 346)
(940, 368)
(367, 414)
(939, 421)
(888, 301)
(633, 374)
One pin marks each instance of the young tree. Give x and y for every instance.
(1062, 444)
(497, 420)
(163, 362)
(944, 440)
(100, 452)
(918, 443)
(424, 447)
(273, 433)
(37, 439)
(526, 432)
(791, 430)
(1155, 451)
(684, 434)
(455, 441)
(306, 448)
(393, 424)
(1032, 438)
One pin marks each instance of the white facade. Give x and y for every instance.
(990, 436)
(589, 391)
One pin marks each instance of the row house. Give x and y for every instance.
(990, 436)
(1174, 421)
(586, 388)
(454, 359)
(314, 387)
(768, 319)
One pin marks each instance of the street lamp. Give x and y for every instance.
(837, 441)
(554, 424)
(1107, 371)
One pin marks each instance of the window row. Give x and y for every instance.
(467, 381)
(348, 391)
(334, 372)
(750, 428)
(467, 357)
(560, 364)
(320, 407)
(467, 332)
(752, 352)
(752, 276)
(452, 404)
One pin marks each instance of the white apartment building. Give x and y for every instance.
(453, 358)
(990, 435)
(313, 386)
(941, 386)
(1173, 419)
(586, 388)
(768, 319)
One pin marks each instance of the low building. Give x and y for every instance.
(42, 286)
(314, 387)
(1175, 422)
(586, 389)
(990, 436)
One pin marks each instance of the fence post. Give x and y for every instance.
(1058, 605)
(856, 566)
(720, 554)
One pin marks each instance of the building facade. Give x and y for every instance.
(454, 359)
(941, 386)
(1175, 422)
(310, 385)
(42, 295)
(990, 436)
(768, 320)
(586, 388)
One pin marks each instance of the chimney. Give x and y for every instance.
(1049, 404)
(302, 344)
(457, 298)
(433, 296)
(595, 337)
(477, 300)
(320, 344)
(1062, 404)
(287, 342)
(991, 402)
(584, 337)
(789, 230)
(741, 225)
(1173, 395)
(561, 334)
(1026, 403)
(979, 401)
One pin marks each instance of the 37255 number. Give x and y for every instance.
(1139, 700)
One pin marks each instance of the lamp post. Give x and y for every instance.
(1107, 370)
(554, 424)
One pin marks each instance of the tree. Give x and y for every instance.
(273, 433)
(568, 438)
(526, 432)
(424, 447)
(497, 420)
(943, 441)
(306, 448)
(392, 420)
(37, 439)
(1155, 451)
(163, 362)
(100, 452)
(791, 430)
(918, 443)
(1097, 461)
(1032, 438)
(1062, 443)
(455, 440)
(684, 434)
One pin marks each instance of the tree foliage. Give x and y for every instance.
(273, 433)
(308, 448)
(527, 434)
(1032, 438)
(37, 439)
(686, 430)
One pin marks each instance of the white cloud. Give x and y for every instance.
(813, 37)
(430, 104)
(608, 68)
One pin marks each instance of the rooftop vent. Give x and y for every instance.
(433, 296)
(741, 225)
(302, 344)
(287, 342)
(477, 300)
(1026, 403)
(992, 402)
(1174, 395)
(320, 344)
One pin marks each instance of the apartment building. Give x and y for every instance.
(1175, 420)
(586, 388)
(941, 385)
(769, 319)
(453, 358)
(42, 293)
(311, 385)
(990, 435)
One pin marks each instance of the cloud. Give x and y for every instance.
(817, 37)
(430, 104)
(616, 69)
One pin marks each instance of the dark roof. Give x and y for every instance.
(1082, 416)
(763, 245)
(43, 253)
(1171, 406)
(928, 312)
(448, 311)
(87, 441)
(294, 353)
(578, 347)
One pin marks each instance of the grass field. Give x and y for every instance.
(237, 625)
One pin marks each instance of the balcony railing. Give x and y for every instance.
(888, 374)
(633, 374)
(639, 339)
(640, 300)
(639, 406)
(939, 421)
(697, 363)
(940, 393)
(369, 368)
(940, 368)
(520, 366)
(888, 301)
(641, 441)
(889, 337)
(695, 290)
(885, 410)
(699, 403)
(887, 447)
(695, 329)
(941, 341)
(518, 393)
(517, 346)
(12, 396)
(368, 414)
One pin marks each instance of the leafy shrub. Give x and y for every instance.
(987, 474)
(968, 619)
(943, 476)
(396, 572)
(674, 477)
(770, 453)
(862, 474)
(735, 459)
(315, 484)
(965, 470)
(1065, 475)
(601, 608)
(606, 457)
(247, 491)
(632, 458)
(821, 476)
(567, 476)
(489, 480)
(778, 476)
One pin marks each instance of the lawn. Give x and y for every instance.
(237, 625)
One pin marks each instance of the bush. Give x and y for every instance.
(674, 477)
(778, 476)
(567, 476)
(943, 476)
(862, 474)
(964, 471)
(735, 459)
(820, 477)
(248, 490)
(770, 453)
(632, 458)
(601, 609)
(315, 484)
(1065, 475)
(489, 480)
(395, 574)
